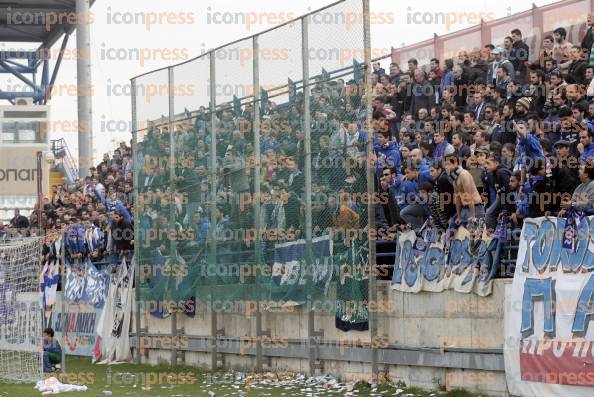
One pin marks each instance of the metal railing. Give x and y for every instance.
(61, 152)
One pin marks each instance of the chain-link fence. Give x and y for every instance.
(252, 177)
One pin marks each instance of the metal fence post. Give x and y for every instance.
(370, 188)
(63, 306)
(213, 203)
(136, 219)
(172, 242)
(311, 334)
(257, 208)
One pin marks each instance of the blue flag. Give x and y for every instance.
(236, 105)
(292, 91)
(263, 101)
(357, 75)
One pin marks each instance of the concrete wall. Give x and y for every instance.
(430, 340)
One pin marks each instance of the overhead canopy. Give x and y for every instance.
(37, 21)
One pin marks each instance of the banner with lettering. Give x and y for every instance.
(289, 281)
(549, 335)
(79, 322)
(18, 312)
(466, 263)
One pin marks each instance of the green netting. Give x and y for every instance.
(203, 236)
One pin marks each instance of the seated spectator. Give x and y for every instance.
(412, 210)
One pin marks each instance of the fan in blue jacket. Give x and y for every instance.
(387, 154)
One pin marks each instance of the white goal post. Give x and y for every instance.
(21, 322)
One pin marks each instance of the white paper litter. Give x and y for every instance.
(54, 386)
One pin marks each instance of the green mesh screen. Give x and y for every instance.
(205, 234)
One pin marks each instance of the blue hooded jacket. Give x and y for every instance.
(406, 192)
(387, 156)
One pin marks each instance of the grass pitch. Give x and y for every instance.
(162, 381)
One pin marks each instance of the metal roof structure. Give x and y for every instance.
(43, 22)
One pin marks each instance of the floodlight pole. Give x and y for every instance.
(84, 84)
(370, 189)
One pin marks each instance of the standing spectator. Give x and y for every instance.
(122, 234)
(498, 61)
(583, 196)
(395, 73)
(387, 154)
(378, 70)
(519, 54)
(499, 182)
(562, 47)
(444, 188)
(442, 147)
(467, 199)
(461, 149)
(447, 79)
(19, 221)
(588, 40)
(586, 147)
(480, 106)
(565, 170)
(576, 68)
(422, 93)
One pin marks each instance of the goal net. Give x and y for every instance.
(20, 311)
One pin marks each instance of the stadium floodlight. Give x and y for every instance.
(21, 322)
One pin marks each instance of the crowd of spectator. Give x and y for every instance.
(94, 212)
(488, 136)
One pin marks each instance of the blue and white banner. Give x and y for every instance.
(86, 285)
(290, 275)
(549, 311)
(75, 328)
(17, 329)
(464, 264)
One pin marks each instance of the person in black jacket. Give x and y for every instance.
(122, 234)
(588, 40)
(518, 54)
(538, 91)
(565, 172)
(444, 188)
(576, 72)
(499, 182)
(19, 221)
